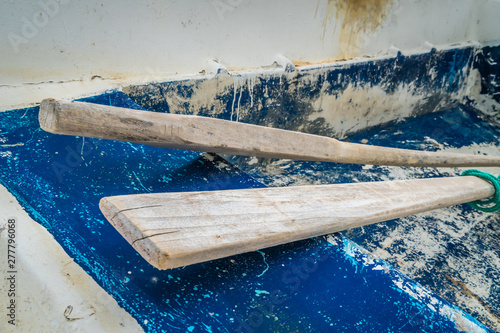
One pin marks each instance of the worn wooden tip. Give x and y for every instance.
(47, 115)
(143, 241)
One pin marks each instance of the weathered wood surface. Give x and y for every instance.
(221, 136)
(178, 229)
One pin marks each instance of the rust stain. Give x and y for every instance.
(299, 63)
(357, 19)
(467, 292)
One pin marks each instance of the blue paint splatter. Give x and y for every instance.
(305, 279)
(267, 265)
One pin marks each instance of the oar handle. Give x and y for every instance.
(376, 155)
(222, 136)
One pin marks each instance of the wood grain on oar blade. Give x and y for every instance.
(228, 137)
(177, 229)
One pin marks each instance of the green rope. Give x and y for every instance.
(489, 205)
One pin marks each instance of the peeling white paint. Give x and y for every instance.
(463, 322)
(239, 82)
(356, 108)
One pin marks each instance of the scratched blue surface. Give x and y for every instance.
(290, 102)
(307, 286)
(488, 64)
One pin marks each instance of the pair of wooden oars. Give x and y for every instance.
(177, 229)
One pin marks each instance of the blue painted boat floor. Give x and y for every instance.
(454, 251)
(317, 285)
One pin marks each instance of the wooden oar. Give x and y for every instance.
(178, 229)
(221, 136)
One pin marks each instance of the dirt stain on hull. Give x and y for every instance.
(357, 20)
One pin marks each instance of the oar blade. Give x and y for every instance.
(178, 229)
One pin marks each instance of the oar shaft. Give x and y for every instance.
(177, 229)
(376, 155)
(221, 136)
